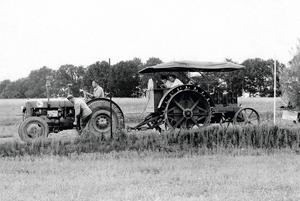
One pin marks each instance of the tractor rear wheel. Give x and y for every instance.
(33, 128)
(101, 121)
(187, 108)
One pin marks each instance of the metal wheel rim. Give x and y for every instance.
(187, 109)
(246, 116)
(102, 122)
(34, 129)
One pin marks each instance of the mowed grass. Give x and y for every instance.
(10, 117)
(151, 176)
(249, 175)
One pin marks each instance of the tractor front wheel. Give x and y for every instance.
(33, 128)
(246, 116)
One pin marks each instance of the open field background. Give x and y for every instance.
(221, 173)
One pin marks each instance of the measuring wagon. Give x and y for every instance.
(188, 105)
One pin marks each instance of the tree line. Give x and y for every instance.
(123, 79)
(290, 79)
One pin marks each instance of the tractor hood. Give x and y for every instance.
(54, 103)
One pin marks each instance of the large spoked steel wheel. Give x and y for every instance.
(33, 128)
(187, 109)
(246, 116)
(102, 121)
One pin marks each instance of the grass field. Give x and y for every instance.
(151, 176)
(244, 174)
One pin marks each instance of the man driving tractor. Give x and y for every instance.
(171, 82)
(174, 81)
(98, 91)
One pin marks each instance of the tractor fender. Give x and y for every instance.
(167, 96)
(106, 100)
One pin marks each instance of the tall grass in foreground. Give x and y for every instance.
(148, 176)
(208, 140)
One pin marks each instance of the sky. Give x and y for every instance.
(52, 33)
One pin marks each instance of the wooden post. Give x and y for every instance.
(274, 90)
(110, 95)
(48, 85)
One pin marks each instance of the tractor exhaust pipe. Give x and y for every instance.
(69, 89)
(48, 85)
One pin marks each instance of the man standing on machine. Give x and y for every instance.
(82, 112)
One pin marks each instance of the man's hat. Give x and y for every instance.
(70, 96)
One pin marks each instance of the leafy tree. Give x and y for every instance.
(125, 79)
(234, 79)
(221, 81)
(3, 84)
(31, 87)
(36, 82)
(258, 76)
(289, 80)
(280, 67)
(99, 71)
(208, 81)
(295, 61)
(145, 77)
(138, 62)
(68, 74)
(15, 89)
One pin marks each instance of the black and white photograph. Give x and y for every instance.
(149, 100)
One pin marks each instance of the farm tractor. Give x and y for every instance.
(44, 116)
(185, 106)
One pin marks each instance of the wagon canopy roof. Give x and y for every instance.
(192, 66)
